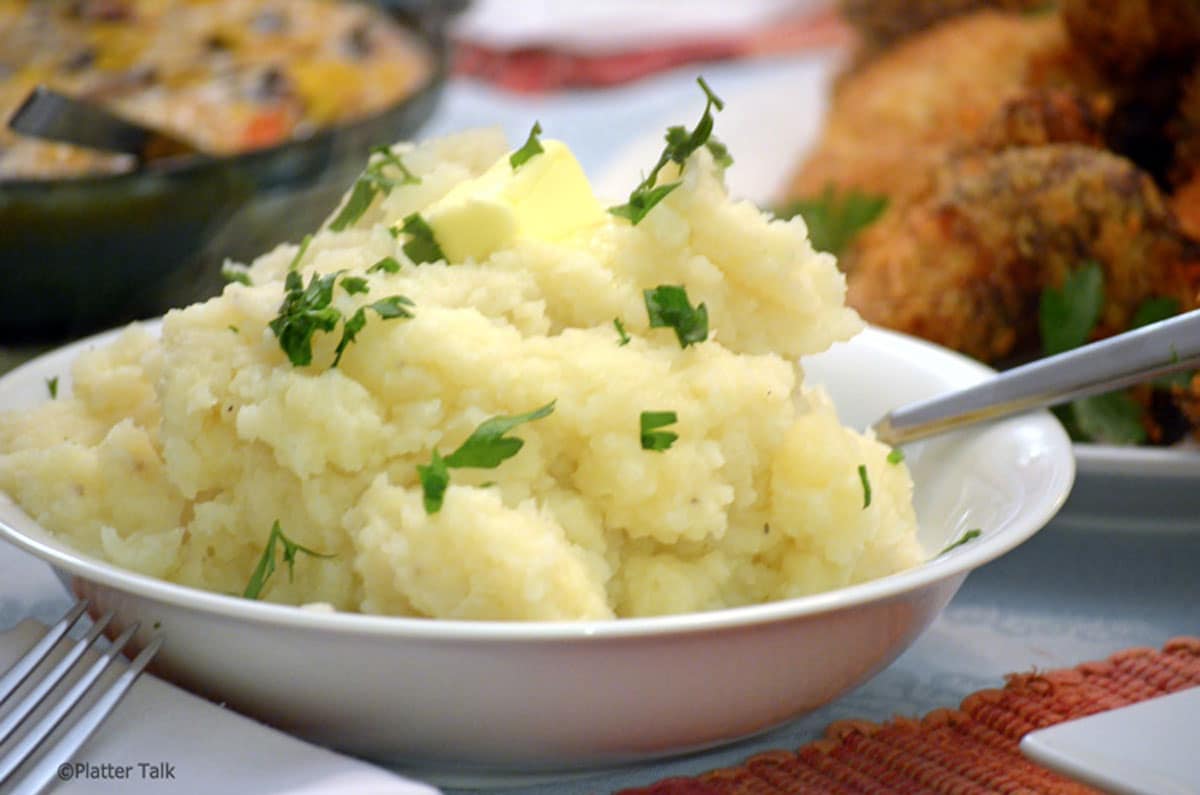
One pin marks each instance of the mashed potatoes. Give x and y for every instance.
(174, 455)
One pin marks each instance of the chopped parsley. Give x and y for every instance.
(236, 273)
(1067, 315)
(371, 183)
(266, 564)
(233, 328)
(421, 246)
(52, 387)
(668, 307)
(970, 535)
(307, 310)
(866, 485)
(387, 265)
(680, 145)
(1153, 310)
(654, 439)
(486, 448)
(1111, 418)
(895, 456)
(531, 147)
(833, 221)
(620, 327)
(300, 252)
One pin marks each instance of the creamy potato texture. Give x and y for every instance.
(173, 455)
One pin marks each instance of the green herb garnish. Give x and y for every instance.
(355, 285)
(531, 147)
(266, 564)
(1112, 418)
(421, 246)
(895, 456)
(654, 439)
(1153, 310)
(620, 327)
(970, 535)
(680, 145)
(52, 387)
(668, 307)
(435, 478)
(1067, 316)
(866, 485)
(236, 273)
(372, 182)
(393, 306)
(233, 328)
(486, 448)
(387, 265)
(833, 221)
(300, 252)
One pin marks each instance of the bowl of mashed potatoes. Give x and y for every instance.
(487, 474)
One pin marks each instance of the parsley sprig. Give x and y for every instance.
(266, 564)
(668, 307)
(236, 273)
(621, 332)
(652, 437)
(486, 448)
(52, 387)
(969, 535)
(421, 246)
(373, 181)
(833, 221)
(531, 147)
(866, 485)
(680, 145)
(307, 310)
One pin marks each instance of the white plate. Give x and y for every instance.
(1147, 748)
(768, 127)
(508, 699)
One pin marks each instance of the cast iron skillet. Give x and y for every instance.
(80, 254)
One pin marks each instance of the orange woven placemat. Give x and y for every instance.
(972, 750)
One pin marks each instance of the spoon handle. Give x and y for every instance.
(1134, 357)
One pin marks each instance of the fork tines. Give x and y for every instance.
(19, 715)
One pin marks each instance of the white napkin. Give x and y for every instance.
(210, 749)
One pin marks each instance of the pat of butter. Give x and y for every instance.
(548, 197)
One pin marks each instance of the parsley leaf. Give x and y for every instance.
(235, 273)
(304, 311)
(654, 439)
(387, 265)
(834, 221)
(532, 147)
(1067, 316)
(355, 285)
(1112, 418)
(488, 446)
(620, 327)
(52, 387)
(1152, 310)
(300, 252)
(719, 151)
(421, 246)
(680, 145)
(895, 456)
(266, 564)
(350, 330)
(866, 485)
(668, 307)
(485, 448)
(970, 535)
(435, 479)
(372, 182)
(393, 306)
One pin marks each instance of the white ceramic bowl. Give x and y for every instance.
(502, 699)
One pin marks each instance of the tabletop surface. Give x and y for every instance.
(1069, 595)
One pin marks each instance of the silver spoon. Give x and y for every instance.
(52, 116)
(1134, 357)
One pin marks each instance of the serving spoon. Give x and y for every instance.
(1133, 357)
(52, 116)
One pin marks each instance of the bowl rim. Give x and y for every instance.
(957, 563)
(432, 46)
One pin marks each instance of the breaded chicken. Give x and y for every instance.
(1127, 37)
(1185, 202)
(895, 118)
(1047, 116)
(964, 263)
(882, 23)
(1185, 133)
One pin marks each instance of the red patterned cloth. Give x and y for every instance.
(542, 69)
(972, 750)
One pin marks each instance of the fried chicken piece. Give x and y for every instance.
(1126, 37)
(893, 120)
(1185, 134)
(1047, 116)
(1185, 202)
(882, 23)
(964, 263)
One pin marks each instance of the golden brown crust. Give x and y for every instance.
(1128, 36)
(882, 23)
(965, 262)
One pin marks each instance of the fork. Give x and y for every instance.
(46, 768)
